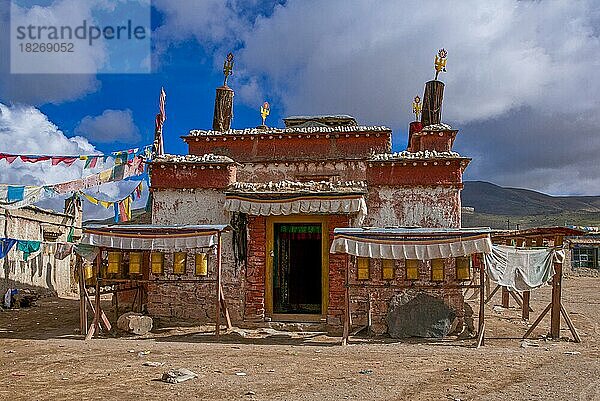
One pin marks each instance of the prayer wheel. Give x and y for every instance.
(179, 259)
(135, 263)
(157, 261)
(114, 262)
(463, 268)
(201, 264)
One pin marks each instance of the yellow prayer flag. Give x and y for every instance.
(91, 199)
(104, 176)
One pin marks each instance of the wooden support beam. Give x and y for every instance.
(97, 294)
(225, 309)
(537, 321)
(489, 298)
(515, 296)
(505, 297)
(525, 307)
(570, 324)
(103, 317)
(556, 294)
(480, 334)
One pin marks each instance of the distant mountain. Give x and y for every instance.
(488, 198)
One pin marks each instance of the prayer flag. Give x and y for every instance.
(15, 193)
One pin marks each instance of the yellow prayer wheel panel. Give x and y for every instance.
(135, 262)
(388, 269)
(114, 262)
(463, 268)
(179, 259)
(437, 270)
(201, 264)
(88, 271)
(157, 262)
(363, 268)
(412, 269)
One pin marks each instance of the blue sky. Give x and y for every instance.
(522, 90)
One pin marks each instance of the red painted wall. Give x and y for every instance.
(171, 176)
(252, 148)
(417, 173)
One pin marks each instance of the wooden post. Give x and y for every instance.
(346, 306)
(505, 297)
(223, 109)
(82, 304)
(97, 294)
(525, 310)
(481, 322)
(432, 103)
(556, 295)
(218, 293)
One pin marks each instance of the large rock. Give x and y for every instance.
(134, 323)
(419, 315)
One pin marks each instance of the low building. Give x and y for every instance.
(49, 269)
(285, 190)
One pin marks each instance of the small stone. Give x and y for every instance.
(240, 373)
(250, 393)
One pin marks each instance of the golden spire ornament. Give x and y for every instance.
(417, 107)
(440, 62)
(227, 67)
(265, 110)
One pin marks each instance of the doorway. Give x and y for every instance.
(297, 274)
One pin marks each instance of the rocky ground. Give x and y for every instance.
(42, 358)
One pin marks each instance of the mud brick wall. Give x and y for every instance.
(256, 269)
(200, 206)
(193, 301)
(337, 276)
(381, 296)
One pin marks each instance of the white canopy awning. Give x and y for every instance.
(421, 243)
(343, 204)
(153, 238)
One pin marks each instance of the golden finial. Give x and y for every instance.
(227, 67)
(440, 62)
(265, 110)
(417, 107)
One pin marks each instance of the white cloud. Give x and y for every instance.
(37, 89)
(110, 126)
(26, 130)
(370, 60)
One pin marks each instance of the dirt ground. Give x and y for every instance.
(42, 358)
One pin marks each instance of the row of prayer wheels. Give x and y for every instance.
(116, 268)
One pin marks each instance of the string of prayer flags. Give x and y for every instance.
(91, 161)
(123, 210)
(16, 196)
(60, 250)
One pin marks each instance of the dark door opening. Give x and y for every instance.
(297, 268)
